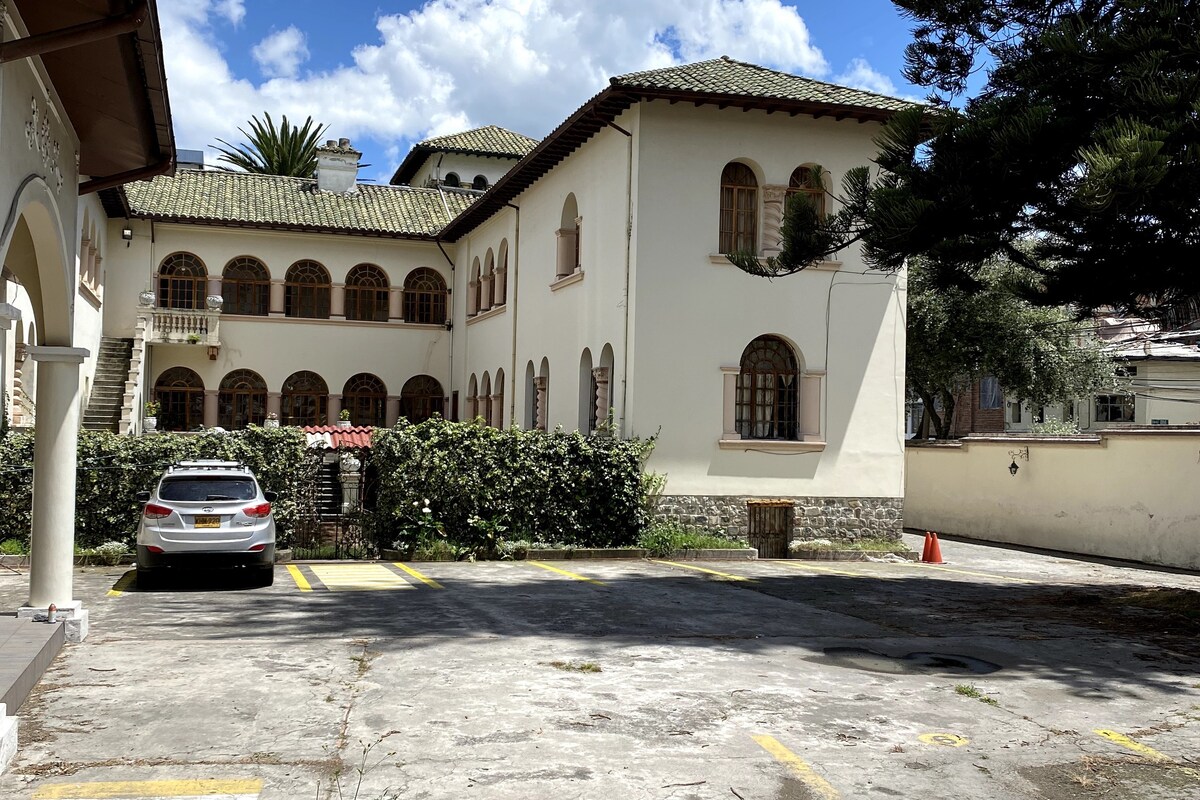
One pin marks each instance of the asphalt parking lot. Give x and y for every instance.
(1002, 674)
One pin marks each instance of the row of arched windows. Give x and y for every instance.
(485, 399)
(307, 289)
(453, 181)
(740, 203)
(488, 285)
(304, 399)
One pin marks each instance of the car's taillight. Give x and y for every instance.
(154, 548)
(156, 511)
(260, 510)
(258, 548)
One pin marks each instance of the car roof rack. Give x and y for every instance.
(207, 463)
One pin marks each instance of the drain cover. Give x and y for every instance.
(912, 663)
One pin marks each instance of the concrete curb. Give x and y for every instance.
(746, 554)
(844, 555)
(581, 553)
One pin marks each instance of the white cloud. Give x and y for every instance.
(861, 75)
(232, 10)
(453, 64)
(281, 54)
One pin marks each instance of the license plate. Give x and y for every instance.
(208, 522)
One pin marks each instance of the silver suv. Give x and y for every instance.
(206, 514)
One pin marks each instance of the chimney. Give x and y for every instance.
(337, 167)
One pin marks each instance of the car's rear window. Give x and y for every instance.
(207, 489)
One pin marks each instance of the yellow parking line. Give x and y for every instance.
(122, 585)
(798, 766)
(975, 574)
(301, 582)
(574, 575)
(358, 577)
(724, 575)
(795, 565)
(418, 575)
(1149, 753)
(250, 787)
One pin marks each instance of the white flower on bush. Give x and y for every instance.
(110, 552)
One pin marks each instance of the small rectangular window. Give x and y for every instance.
(989, 393)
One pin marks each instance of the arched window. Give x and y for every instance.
(487, 280)
(500, 284)
(569, 235)
(498, 400)
(425, 297)
(485, 399)
(367, 294)
(472, 398)
(480, 182)
(182, 282)
(473, 289)
(246, 287)
(306, 291)
(452, 180)
(739, 209)
(768, 390)
(180, 393)
(242, 400)
(587, 393)
(304, 400)
(365, 397)
(806, 181)
(421, 398)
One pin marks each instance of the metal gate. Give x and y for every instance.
(334, 522)
(770, 528)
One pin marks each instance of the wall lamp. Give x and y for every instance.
(1022, 454)
(127, 235)
(449, 325)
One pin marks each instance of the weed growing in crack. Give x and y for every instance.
(571, 666)
(967, 690)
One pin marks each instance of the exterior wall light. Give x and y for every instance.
(1022, 454)
(127, 235)
(449, 325)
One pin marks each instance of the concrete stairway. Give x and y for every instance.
(108, 387)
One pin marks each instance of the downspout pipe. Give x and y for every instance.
(516, 261)
(628, 258)
(75, 35)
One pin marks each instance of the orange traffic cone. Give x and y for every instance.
(932, 553)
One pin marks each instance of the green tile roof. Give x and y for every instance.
(724, 76)
(272, 201)
(491, 140)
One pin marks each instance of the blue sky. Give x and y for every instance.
(389, 74)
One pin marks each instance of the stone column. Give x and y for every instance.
(395, 302)
(211, 416)
(392, 411)
(484, 408)
(472, 298)
(541, 390)
(497, 420)
(55, 447)
(501, 287)
(337, 301)
(485, 293)
(277, 291)
(729, 378)
(565, 263)
(8, 315)
(600, 376)
(810, 406)
(214, 286)
(334, 407)
(274, 404)
(772, 229)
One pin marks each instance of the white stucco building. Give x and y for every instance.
(577, 281)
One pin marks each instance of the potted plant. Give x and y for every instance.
(272, 420)
(343, 420)
(193, 338)
(152, 408)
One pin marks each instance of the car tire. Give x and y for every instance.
(266, 576)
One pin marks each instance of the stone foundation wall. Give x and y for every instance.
(815, 517)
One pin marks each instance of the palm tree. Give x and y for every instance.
(275, 150)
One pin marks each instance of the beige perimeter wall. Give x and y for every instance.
(1130, 495)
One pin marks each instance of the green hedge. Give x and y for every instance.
(484, 484)
(112, 469)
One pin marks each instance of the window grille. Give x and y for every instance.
(421, 398)
(242, 400)
(304, 400)
(768, 391)
(246, 287)
(425, 297)
(306, 291)
(739, 209)
(180, 394)
(367, 294)
(182, 282)
(806, 182)
(365, 397)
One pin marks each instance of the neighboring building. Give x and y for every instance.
(585, 288)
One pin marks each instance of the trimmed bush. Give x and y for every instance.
(112, 469)
(484, 484)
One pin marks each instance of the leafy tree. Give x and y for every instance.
(271, 149)
(1083, 145)
(957, 336)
